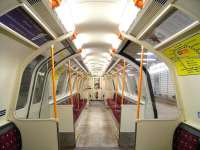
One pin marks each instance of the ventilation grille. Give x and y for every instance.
(153, 8)
(161, 1)
(33, 2)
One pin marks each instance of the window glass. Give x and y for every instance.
(26, 81)
(41, 75)
(74, 84)
(60, 81)
(80, 84)
(164, 90)
(126, 90)
(132, 84)
(163, 87)
(119, 85)
(66, 90)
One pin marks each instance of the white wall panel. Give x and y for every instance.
(12, 53)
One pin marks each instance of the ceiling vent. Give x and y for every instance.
(161, 1)
(43, 11)
(33, 2)
(151, 9)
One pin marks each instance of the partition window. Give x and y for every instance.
(61, 75)
(163, 88)
(39, 87)
(26, 83)
(132, 83)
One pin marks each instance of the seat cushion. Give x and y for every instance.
(186, 138)
(10, 137)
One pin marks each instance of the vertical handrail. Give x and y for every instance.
(53, 81)
(70, 83)
(140, 83)
(116, 90)
(123, 82)
(77, 82)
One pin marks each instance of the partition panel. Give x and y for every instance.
(38, 134)
(155, 134)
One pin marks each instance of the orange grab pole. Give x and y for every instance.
(53, 81)
(116, 91)
(77, 82)
(123, 82)
(140, 83)
(70, 83)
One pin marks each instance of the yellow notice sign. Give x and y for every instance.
(186, 55)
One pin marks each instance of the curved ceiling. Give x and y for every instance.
(97, 24)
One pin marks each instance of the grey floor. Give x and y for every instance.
(96, 128)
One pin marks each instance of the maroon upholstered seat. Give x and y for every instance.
(115, 105)
(186, 138)
(10, 138)
(78, 106)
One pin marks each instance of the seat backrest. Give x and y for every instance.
(186, 138)
(10, 137)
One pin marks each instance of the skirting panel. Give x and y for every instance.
(66, 140)
(127, 139)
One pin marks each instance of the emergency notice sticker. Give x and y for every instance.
(186, 55)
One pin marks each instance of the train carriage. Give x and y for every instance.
(99, 74)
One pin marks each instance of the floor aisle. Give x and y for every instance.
(96, 128)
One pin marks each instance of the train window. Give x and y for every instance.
(126, 85)
(39, 87)
(119, 85)
(163, 87)
(74, 84)
(26, 82)
(132, 83)
(162, 82)
(61, 76)
(66, 90)
(164, 90)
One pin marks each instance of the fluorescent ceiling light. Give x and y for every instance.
(160, 67)
(103, 60)
(128, 16)
(131, 75)
(64, 14)
(86, 53)
(96, 66)
(106, 55)
(148, 53)
(100, 66)
(80, 40)
(148, 59)
(113, 40)
(99, 57)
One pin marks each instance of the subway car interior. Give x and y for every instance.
(100, 74)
